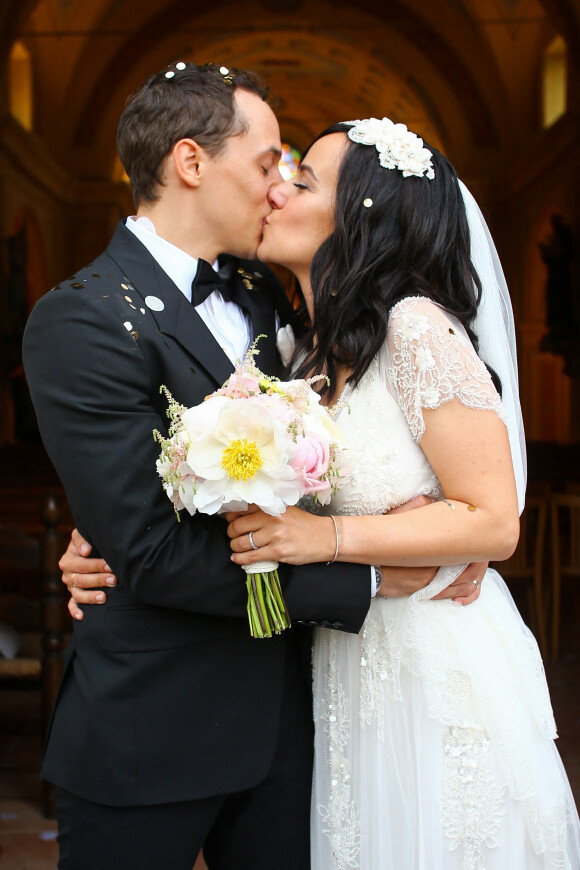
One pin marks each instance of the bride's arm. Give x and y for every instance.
(469, 451)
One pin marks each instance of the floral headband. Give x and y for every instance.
(398, 148)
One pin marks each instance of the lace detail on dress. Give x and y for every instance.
(377, 480)
(374, 483)
(340, 815)
(432, 361)
(465, 695)
(476, 670)
(380, 663)
(472, 800)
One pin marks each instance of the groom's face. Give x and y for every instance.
(240, 178)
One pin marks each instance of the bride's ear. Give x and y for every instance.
(189, 160)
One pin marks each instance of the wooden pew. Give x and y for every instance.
(32, 601)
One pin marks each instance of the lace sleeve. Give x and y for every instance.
(430, 361)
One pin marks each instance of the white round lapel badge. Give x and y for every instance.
(154, 303)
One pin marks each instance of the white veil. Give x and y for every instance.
(494, 327)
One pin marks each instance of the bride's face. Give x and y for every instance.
(303, 208)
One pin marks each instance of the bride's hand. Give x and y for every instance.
(297, 537)
(84, 577)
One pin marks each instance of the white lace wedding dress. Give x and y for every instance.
(434, 730)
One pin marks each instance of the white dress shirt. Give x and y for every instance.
(224, 319)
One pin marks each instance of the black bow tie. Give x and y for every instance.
(207, 280)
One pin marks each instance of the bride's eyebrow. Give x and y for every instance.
(304, 167)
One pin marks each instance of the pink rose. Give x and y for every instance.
(310, 462)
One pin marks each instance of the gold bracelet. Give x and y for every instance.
(336, 533)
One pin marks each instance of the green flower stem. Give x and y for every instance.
(267, 611)
(278, 593)
(278, 603)
(262, 609)
(272, 606)
(259, 604)
(255, 628)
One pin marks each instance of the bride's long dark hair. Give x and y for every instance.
(413, 240)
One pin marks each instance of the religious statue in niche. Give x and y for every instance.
(562, 315)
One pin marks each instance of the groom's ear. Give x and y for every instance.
(189, 160)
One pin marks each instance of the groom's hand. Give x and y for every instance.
(467, 587)
(84, 577)
(402, 582)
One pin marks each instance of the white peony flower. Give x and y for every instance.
(243, 458)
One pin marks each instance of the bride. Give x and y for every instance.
(434, 731)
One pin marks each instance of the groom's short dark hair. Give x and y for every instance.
(183, 101)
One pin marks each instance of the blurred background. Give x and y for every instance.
(495, 84)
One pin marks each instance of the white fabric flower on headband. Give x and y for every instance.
(398, 148)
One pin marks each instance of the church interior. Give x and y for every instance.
(494, 84)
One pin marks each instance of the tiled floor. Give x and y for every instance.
(27, 840)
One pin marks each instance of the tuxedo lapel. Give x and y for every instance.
(177, 318)
(190, 330)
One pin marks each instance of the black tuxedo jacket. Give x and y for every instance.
(165, 695)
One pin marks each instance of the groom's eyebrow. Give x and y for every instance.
(275, 152)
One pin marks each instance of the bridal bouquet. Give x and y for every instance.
(257, 441)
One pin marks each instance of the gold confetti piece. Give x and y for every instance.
(471, 507)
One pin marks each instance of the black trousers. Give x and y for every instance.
(266, 827)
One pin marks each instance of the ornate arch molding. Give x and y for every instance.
(171, 20)
(458, 77)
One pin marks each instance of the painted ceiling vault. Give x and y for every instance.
(463, 73)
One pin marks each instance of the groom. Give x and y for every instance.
(173, 728)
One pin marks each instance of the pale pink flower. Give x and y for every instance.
(311, 462)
